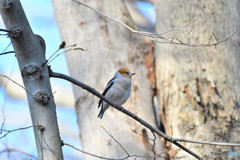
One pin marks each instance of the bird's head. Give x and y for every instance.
(125, 72)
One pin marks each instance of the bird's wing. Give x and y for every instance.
(109, 85)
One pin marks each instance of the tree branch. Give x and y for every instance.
(116, 141)
(207, 143)
(154, 130)
(17, 84)
(120, 108)
(14, 130)
(158, 37)
(19, 151)
(90, 154)
(4, 53)
(101, 157)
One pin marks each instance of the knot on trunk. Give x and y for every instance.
(42, 97)
(8, 4)
(15, 32)
(29, 70)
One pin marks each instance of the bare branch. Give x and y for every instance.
(61, 46)
(19, 151)
(154, 144)
(101, 157)
(12, 32)
(5, 30)
(2, 126)
(179, 42)
(207, 143)
(120, 108)
(179, 27)
(116, 141)
(90, 154)
(156, 37)
(71, 48)
(4, 53)
(7, 46)
(14, 130)
(49, 148)
(17, 84)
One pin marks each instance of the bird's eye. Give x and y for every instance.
(128, 73)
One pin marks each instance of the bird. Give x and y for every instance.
(118, 89)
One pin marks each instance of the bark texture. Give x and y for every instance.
(30, 50)
(199, 88)
(109, 47)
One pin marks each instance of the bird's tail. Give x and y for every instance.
(100, 115)
(104, 107)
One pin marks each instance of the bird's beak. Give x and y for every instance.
(132, 73)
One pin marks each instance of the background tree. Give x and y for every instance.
(109, 47)
(198, 87)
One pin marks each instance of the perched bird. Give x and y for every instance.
(118, 89)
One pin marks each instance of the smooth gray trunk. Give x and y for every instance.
(30, 56)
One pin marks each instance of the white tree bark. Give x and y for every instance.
(109, 47)
(199, 88)
(30, 51)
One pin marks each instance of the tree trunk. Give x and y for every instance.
(109, 46)
(30, 50)
(198, 87)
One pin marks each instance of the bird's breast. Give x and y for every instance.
(120, 91)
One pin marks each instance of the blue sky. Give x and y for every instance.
(16, 112)
(147, 10)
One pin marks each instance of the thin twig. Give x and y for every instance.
(57, 56)
(154, 144)
(6, 53)
(136, 156)
(7, 46)
(19, 151)
(177, 28)
(17, 84)
(121, 23)
(156, 37)
(116, 141)
(179, 42)
(90, 154)
(14, 130)
(101, 157)
(4, 30)
(48, 147)
(61, 46)
(2, 126)
(207, 143)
